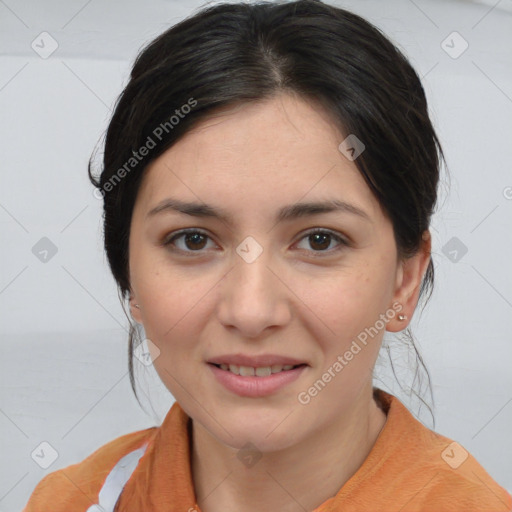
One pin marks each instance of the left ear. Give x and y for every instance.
(408, 282)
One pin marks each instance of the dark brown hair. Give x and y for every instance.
(231, 53)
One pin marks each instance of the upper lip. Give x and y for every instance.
(255, 361)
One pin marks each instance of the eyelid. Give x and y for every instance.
(342, 240)
(167, 241)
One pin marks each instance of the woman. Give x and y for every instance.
(269, 176)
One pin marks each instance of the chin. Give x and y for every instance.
(263, 435)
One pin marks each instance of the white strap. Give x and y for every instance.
(116, 480)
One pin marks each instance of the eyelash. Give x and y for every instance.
(343, 242)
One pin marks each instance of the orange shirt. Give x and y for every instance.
(409, 469)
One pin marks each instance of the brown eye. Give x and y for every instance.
(192, 241)
(319, 240)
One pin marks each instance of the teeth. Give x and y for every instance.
(244, 371)
(262, 371)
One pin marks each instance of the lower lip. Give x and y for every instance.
(256, 386)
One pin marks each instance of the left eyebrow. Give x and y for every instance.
(286, 213)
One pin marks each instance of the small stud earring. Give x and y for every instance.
(402, 317)
(137, 306)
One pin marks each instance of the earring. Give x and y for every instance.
(137, 306)
(402, 317)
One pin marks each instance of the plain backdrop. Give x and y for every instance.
(63, 370)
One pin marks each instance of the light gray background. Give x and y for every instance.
(64, 374)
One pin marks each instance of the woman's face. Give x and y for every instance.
(256, 284)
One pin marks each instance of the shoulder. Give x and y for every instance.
(427, 471)
(76, 487)
(448, 478)
(457, 481)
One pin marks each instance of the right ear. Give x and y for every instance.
(135, 308)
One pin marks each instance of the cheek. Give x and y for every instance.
(343, 325)
(345, 307)
(166, 295)
(173, 320)
(173, 304)
(345, 300)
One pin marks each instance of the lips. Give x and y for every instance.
(256, 386)
(256, 361)
(260, 371)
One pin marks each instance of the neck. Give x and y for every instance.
(298, 478)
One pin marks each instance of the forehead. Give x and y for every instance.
(258, 156)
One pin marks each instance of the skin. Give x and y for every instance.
(251, 160)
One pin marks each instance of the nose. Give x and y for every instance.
(253, 298)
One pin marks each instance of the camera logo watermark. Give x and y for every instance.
(454, 249)
(44, 455)
(249, 455)
(351, 147)
(146, 352)
(249, 249)
(454, 45)
(44, 45)
(44, 250)
(454, 455)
